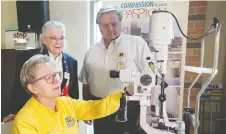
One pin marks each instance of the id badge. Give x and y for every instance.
(66, 75)
(120, 65)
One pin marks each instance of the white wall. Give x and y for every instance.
(75, 15)
(8, 17)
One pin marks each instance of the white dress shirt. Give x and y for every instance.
(58, 60)
(127, 52)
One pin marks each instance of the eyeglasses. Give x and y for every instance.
(113, 25)
(51, 78)
(54, 38)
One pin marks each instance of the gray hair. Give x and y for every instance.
(108, 9)
(52, 24)
(28, 71)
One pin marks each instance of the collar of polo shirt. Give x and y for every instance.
(114, 42)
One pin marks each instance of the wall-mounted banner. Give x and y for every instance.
(136, 15)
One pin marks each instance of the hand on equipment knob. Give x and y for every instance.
(130, 88)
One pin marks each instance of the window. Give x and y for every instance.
(95, 35)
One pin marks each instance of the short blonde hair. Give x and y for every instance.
(28, 71)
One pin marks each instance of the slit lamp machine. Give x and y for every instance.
(160, 37)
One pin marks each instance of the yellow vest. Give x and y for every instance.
(35, 118)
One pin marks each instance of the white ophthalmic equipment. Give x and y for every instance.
(160, 36)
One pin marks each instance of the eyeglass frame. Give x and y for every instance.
(51, 75)
(56, 39)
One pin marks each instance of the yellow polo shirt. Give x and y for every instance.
(35, 118)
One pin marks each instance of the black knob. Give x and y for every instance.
(162, 98)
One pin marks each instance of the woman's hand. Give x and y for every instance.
(9, 118)
(130, 88)
(88, 122)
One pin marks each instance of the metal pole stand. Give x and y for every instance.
(202, 70)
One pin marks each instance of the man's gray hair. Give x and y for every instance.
(107, 9)
(28, 71)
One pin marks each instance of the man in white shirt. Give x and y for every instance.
(116, 51)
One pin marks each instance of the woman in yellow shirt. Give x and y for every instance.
(47, 113)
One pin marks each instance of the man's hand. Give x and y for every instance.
(88, 122)
(9, 118)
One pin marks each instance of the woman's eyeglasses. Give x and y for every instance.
(54, 38)
(51, 78)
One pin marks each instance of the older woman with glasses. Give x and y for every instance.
(53, 40)
(47, 113)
